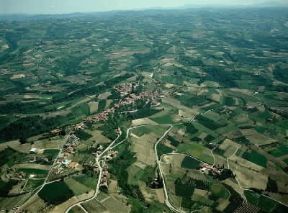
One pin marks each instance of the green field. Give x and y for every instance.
(137, 174)
(10, 157)
(76, 209)
(252, 197)
(280, 151)
(264, 203)
(101, 105)
(86, 180)
(55, 193)
(229, 101)
(185, 188)
(189, 100)
(5, 187)
(51, 153)
(77, 187)
(163, 119)
(190, 128)
(32, 184)
(141, 131)
(286, 160)
(82, 135)
(163, 149)
(209, 123)
(38, 172)
(196, 150)
(219, 191)
(255, 157)
(190, 163)
(173, 141)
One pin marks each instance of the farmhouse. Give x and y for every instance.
(208, 169)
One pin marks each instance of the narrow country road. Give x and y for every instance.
(167, 202)
(112, 146)
(98, 162)
(47, 177)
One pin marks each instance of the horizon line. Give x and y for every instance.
(184, 7)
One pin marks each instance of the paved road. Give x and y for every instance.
(98, 162)
(82, 208)
(114, 145)
(167, 202)
(47, 177)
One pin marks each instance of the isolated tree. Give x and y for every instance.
(23, 140)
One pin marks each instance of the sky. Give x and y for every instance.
(72, 6)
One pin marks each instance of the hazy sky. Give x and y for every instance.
(70, 6)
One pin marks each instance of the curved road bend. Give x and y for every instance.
(167, 202)
(112, 146)
(98, 162)
(47, 177)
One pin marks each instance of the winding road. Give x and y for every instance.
(20, 208)
(98, 162)
(167, 202)
(112, 146)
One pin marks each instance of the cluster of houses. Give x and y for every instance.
(110, 155)
(105, 177)
(107, 157)
(125, 89)
(105, 173)
(128, 100)
(70, 146)
(13, 174)
(210, 169)
(57, 132)
(63, 160)
(79, 126)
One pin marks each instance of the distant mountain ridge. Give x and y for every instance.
(275, 3)
(267, 4)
